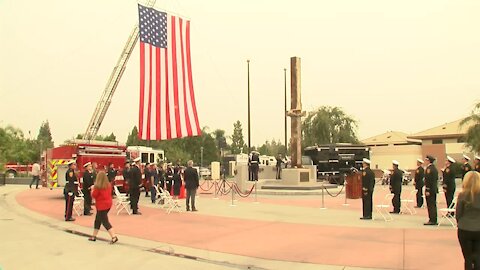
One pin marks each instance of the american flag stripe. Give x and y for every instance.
(167, 99)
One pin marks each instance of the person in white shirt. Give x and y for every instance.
(36, 174)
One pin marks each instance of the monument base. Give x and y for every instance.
(297, 177)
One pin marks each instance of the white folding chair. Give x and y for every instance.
(383, 208)
(407, 203)
(122, 201)
(78, 203)
(449, 213)
(169, 202)
(158, 195)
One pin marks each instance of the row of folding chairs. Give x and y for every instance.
(167, 199)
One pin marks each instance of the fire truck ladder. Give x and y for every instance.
(112, 83)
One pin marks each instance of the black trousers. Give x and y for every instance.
(279, 172)
(68, 204)
(420, 197)
(449, 196)
(191, 192)
(35, 180)
(87, 202)
(432, 207)
(134, 196)
(470, 244)
(254, 169)
(102, 218)
(367, 204)
(396, 202)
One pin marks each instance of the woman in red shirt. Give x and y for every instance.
(102, 193)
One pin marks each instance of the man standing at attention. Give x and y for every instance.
(431, 190)
(368, 183)
(136, 182)
(396, 187)
(88, 181)
(419, 183)
(191, 184)
(466, 167)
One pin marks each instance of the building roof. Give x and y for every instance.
(390, 138)
(447, 130)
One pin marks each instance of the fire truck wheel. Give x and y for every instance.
(11, 174)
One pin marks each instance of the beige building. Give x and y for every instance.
(439, 141)
(393, 145)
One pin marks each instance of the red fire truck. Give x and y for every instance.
(100, 153)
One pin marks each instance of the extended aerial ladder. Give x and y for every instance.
(112, 83)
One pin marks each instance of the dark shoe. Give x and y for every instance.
(114, 240)
(137, 213)
(393, 212)
(194, 210)
(30, 187)
(188, 209)
(146, 195)
(70, 219)
(366, 218)
(93, 239)
(37, 188)
(430, 223)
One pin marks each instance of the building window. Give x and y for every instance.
(437, 141)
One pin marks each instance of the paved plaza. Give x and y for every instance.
(276, 232)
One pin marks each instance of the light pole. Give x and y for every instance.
(201, 156)
(248, 88)
(285, 111)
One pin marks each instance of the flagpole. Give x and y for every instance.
(285, 111)
(248, 89)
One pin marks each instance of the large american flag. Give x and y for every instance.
(167, 99)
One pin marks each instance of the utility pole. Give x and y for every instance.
(248, 88)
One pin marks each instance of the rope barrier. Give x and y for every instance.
(336, 195)
(211, 186)
(241, 194)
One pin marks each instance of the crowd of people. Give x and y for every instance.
(467, 208)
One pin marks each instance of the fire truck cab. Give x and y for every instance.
(147, 154)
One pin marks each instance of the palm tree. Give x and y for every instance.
(472, 137)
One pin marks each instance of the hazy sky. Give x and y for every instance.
(392, 65)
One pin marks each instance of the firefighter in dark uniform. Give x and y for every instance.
(368, 184)
(111, 173)
(136, 183)
(466, 165)
(476, 163)
(254, 165)
(169, 178)
(448, 183)
(431, 190)
(70, 190)
(88, 181)
(127, 177)
(419, 182)
(396, 187)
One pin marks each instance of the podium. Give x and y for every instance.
(354, 186)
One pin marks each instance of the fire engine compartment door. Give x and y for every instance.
(61, 171)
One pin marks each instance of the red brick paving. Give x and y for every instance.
(332, 245)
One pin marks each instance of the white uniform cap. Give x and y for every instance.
(466, 157)
(86, 164)
(137, 159)
(394, 162)
(420, 160)
(477, 157)
(451, 159)
(71, 162)
(366, 160)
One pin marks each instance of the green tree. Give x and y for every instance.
(472, 137)
(238, 144)
(328, 125)
(272, 148)
(44, 137)
(133, 139)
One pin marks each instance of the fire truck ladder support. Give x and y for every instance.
(106, 99)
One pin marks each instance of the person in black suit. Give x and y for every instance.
(431, 190)
(368, 184)
(70, 190)
(396, 187)
(169, 178)
(191, 185)
(126, 174)
(419, 182)
(136, 183)
(88, 181)
(466, 167)
(448, 183)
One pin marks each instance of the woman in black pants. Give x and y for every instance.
(468, 219)
(102, 192)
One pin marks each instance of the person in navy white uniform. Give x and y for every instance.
(368, 184)
(466, 167)
(419, 182)
(396, 187)
(449, 180)
(88, 181)
(70, 190)
(431, 190)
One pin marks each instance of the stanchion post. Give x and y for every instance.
(256, 201)
(345, 183)
(216, 190)
(323, 198)
(233, 191)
